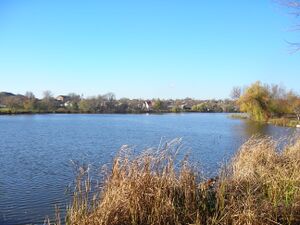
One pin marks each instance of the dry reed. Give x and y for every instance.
(261, 185)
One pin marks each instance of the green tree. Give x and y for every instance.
(176, 109)
(256, 102)
(202, 107)
(158, 105)
(85, 106)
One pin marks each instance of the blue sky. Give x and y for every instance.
(145, 49)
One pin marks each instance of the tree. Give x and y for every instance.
(29, 95)
(294, 103)
(47, 95)
(296, 108)
(48, 102)
(158, 105)
(85, 106)
(256, 101)
(278, 105)
(109, 99)
(236, 93)
(176, 109)
(202, 107)
(122, 106)
(29, 103)
(13, 103)
(74, 100)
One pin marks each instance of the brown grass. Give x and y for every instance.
(260, 186)
(284, 122)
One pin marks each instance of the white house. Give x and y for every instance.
(147, 105)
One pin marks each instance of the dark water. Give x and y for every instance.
(35, 151)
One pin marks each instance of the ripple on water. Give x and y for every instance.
(35, 151)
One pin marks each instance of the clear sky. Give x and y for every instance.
(145, 49)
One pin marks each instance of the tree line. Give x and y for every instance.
(263, 102)
(107, 103)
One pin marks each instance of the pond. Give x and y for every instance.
(36, 151)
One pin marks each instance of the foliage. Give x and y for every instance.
(107, 103)
(283, 122)
(158, 105)
(202, 107)
(263, 102)
(256, 101)
(294, 104)
(176, 109)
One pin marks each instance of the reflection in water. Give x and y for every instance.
(254, 128)
(282, 135)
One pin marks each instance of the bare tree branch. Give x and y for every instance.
(294, 5)
(294, 47)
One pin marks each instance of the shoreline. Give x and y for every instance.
(118, 113)
(281, 122)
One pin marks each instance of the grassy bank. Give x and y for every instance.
(259, 186)
(239, 116)
(283, 122)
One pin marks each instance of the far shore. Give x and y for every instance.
(283, 122)
(103, 113)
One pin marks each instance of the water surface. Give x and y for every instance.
(36, 151)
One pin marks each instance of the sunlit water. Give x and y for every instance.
(36, 151)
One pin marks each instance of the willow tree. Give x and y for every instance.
(255, 101)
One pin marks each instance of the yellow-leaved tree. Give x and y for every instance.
(255, 101)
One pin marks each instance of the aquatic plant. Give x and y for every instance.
(261, 185)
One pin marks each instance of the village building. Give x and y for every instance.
(63, 98)
(147, 105)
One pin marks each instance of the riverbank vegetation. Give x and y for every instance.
(269, 103)
(260, 185)
(260, 102)
(74, 103)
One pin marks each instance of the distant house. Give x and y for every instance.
(62, 98)
(186, 107)
(147, 105)
(2, 106)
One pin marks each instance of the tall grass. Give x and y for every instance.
(259, 186)
(284, 122)
(263, 186)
